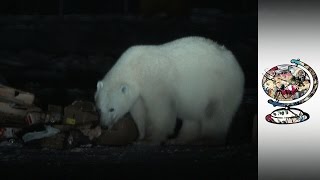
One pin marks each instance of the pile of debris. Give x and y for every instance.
(76, 125)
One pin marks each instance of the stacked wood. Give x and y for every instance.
(14, 106)
(17, 110)
(9, 94)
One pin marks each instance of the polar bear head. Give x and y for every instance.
(113, 101)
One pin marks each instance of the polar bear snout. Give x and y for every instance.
(99, 118)
(107, 120)
(103, 125)
(98, 112)
(102, 122)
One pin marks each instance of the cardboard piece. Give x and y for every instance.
(34, 118)
(80, 112)
(6, 133)
(90, 132)
(54, 142)
(54, 114)
(12, 115)
(62, 128)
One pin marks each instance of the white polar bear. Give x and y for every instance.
(191, 78)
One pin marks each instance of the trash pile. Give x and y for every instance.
(76, 125)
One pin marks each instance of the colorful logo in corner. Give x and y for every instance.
(289, 85)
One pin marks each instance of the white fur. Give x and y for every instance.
(192, 78)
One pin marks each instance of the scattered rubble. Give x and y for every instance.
(75, 125)
(50, 131)
(80, 112)
(15, 95)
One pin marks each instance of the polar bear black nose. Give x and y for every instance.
(98, 112)
(105, 127)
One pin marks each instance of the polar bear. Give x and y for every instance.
(192, 78)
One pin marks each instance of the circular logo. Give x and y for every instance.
(289, 85)
(286, 82)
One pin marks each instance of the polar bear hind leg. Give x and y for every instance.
(216, 123)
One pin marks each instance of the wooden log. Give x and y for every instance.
(122, 133)
(10, 120)
(15, 95)
(13, 115)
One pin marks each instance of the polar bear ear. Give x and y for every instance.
(99, 84)
(124, 88)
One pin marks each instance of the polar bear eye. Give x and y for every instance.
(124, 89)
(111, 109)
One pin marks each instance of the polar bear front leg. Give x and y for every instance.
(189, 132)
(162, 120)
(139, 113)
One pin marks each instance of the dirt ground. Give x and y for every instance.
(133, 161)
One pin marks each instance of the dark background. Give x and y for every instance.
(69, 47)
(58, 49)
(147, 7)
